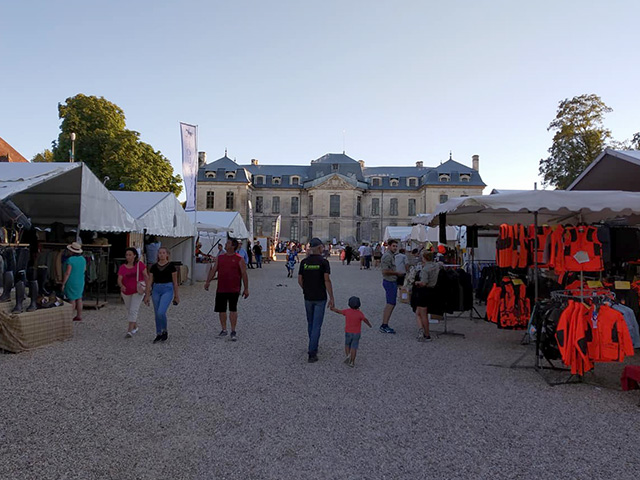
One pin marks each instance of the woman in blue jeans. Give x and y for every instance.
(162, 288)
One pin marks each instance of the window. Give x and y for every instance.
(444, 198)
(358, 232)
(376, 181)
(230, 175)
(210, 200)
(465, 177)
(295, 206)
(294, 231)
(295, 180)
(310, 230)
(334, 206)
(393, 207)
(258, 180)
(334, 167)
(275, 205)
(259, 204)
(375, 207)
(210, 174)
(412, 207)
(310, 204)
(258, 228)
(394, 182)
(444, 177)
(229, 200)
(412, 182)
(276, 180)
(375, 232)
(359, 206)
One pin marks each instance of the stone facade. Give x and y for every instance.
(335, 197)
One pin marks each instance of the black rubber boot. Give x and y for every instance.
(33, 294)
(43, 278)
(20, 290)
(8, 286)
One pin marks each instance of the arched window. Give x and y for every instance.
(276, 180)
(230, 175)
(209, 174)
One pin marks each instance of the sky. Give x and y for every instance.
(285, 82)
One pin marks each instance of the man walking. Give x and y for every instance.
(257, 251)
(389, 279)
(315, 281)
(231, 270)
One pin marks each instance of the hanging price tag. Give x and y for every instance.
(622, 285)
(594, 283)
(581, 257)
(517, 281)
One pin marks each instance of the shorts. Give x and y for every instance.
(222, 298)
(400, 280)
(351, 340)
(391, 291)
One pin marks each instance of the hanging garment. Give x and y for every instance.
(555, 247)
(542, 233)
(508, 305)
(573, 335)
(504, 246)
(611, 339)
(632, 324)
(582, 239)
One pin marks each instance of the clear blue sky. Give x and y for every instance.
(282, 80)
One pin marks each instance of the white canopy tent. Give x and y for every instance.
(551, 207)
(219, 222)
(68, 193)
(397, 233)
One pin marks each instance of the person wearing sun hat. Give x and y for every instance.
(73, 282)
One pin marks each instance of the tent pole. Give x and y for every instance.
(535, 255)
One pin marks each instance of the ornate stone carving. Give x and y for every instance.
(336, 183)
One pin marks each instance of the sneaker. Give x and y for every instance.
(134, 331)
(233, 337)
(386, 329)
(313, 359)
(164, 336)
(351, 364)
(420, 334)
(426, 338)
(347, 360)
(222, 334)
(158, 338)
(128, 335)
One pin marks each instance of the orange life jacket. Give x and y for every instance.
(542, 233)
(582, 239)
(556, 253)
(519, 256)
(508, 305)
(504, 246)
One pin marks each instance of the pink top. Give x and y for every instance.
(129, 277)
(354, 319)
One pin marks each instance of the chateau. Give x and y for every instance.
(333, 197)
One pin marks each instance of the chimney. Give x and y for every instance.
(202, 159)
(475, 162)
(361, 162)
(254, 161)
(419, 164)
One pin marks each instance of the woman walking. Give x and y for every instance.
(292, 258)
(73, 282)
(424, 291)
(132, 280)
(162, 288)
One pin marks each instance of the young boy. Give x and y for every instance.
(352, 328)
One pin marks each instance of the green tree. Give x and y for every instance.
(579, 138)
(45, 156)
(109, 149)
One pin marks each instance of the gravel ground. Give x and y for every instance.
(100, 406)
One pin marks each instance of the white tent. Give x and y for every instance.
(158, 213)
(398, 233)
(551, 207)
(68, 193)
(221, 222)
(422, 233)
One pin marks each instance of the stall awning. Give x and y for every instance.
(159, 213)
(68, 193)
(552, 206)
(221, 221)
(397, 233)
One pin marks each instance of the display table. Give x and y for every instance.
(27, 330)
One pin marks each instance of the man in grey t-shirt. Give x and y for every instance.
(389, 278)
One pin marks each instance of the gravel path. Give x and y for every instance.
(100, 406)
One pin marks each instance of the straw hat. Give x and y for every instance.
(75, 247)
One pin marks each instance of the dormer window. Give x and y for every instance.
(334, 167)
(394, 182)
(209, 174)
(230, 175)
(412, 182)
(376, 181)
(295, 180)
(258, 179)
(444, 177)
(465, 177)
(276, 180)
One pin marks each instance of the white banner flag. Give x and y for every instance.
(250, 224)
(189, 135)
(276, 233)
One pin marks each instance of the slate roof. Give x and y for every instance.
(343, 165)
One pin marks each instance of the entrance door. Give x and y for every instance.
(334, 231)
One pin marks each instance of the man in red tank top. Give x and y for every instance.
(232, 270)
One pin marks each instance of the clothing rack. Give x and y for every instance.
(446, 331)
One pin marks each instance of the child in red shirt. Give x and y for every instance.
(352, 328)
